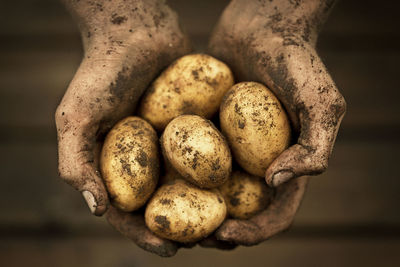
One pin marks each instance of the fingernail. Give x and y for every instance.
(280, 177)
(90, 200)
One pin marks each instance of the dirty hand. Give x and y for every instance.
(277, 217)
(126, 44)
(273, 42)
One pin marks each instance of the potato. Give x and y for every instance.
(246, 195)
(197, 150)
(182, 212)
(193, 84)
(255, 124)
(129, 163)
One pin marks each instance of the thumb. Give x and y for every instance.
(319, 127)
(78, 163)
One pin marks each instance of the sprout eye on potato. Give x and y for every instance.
(246, 195)
(182, 212)
(193, 84)
(197, 150)
(255, 124)
(129, 163)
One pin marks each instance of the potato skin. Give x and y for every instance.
(182, 212)
(193, 84)
(197, 150)
(246, 195)
(255, 124)
(129, 163)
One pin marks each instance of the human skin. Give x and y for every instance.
(126, 45)
(273, 42)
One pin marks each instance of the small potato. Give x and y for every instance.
(255, 124)
(129, 163)
(197, 150)
(182, 212)
(246, 195)
(193, 84)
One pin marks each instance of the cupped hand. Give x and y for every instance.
(273, 42)
(126, 45)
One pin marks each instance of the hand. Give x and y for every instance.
(276, 218)
(273, 42)
(126, 44)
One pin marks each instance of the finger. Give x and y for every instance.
(133, 227)
(297, 161)
(213, 242)
(275, 219)
(241, 232)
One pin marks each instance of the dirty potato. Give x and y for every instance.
(255, 124)
(246, 195)
(193, 84)
(182, 212)
(197, 150)
(129, 163)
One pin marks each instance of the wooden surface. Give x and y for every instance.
(350, 214)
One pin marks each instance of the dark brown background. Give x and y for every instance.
(349, 217)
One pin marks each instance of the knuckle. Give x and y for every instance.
(286, 225)
(319, 166)
(342, 102)
(339, 106)
(66, 175)
(73, 110)
(59, 115)
(67, 120)
(72, 176)
(69, 170)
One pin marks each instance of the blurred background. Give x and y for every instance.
(350, 215)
